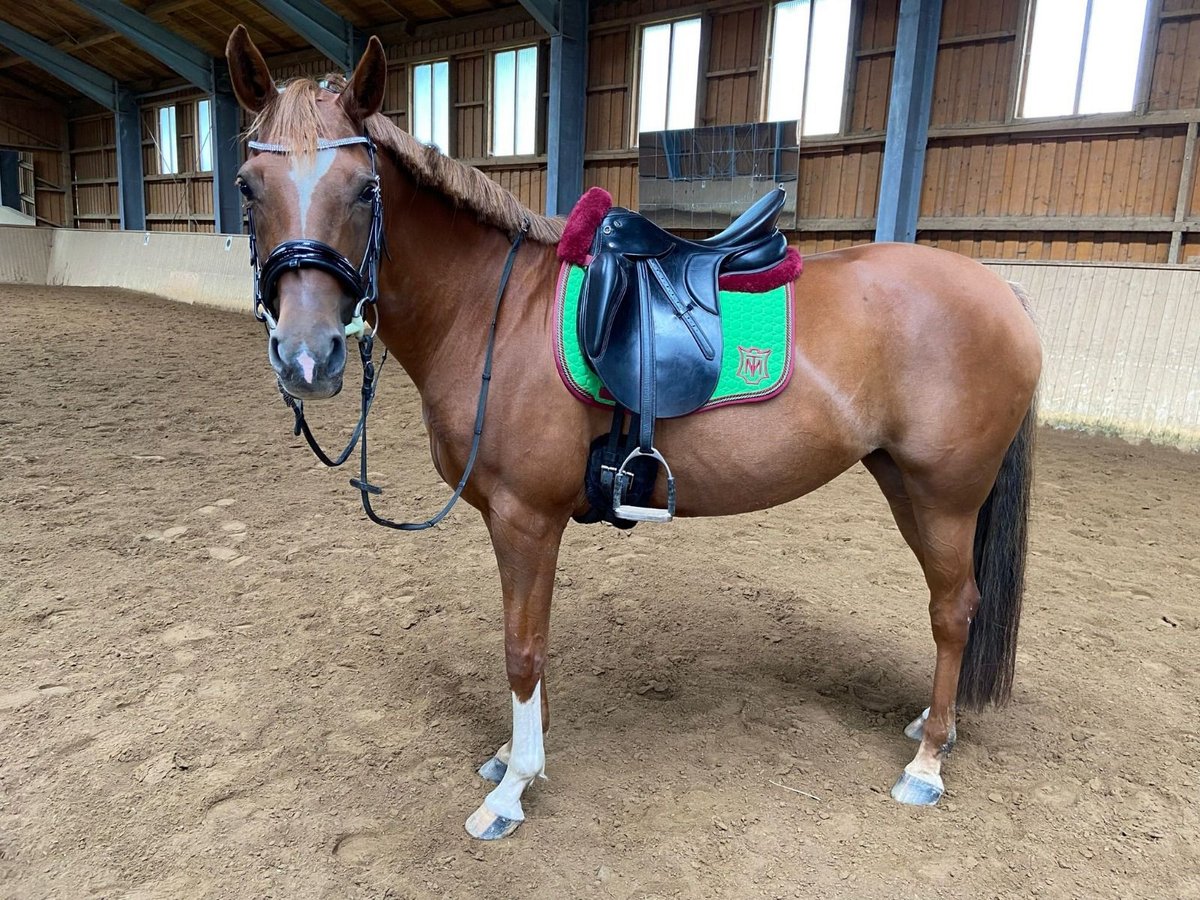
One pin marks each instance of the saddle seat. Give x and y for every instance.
(649, 318)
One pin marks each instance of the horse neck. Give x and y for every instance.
(438, 284)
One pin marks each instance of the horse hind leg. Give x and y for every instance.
(891, 482)
(947, 557)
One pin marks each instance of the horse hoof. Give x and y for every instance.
(918, 790)
(487, 826)
(915, 730)
(493, 770)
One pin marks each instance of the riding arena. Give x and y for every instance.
(629, 448)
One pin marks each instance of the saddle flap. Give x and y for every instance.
(604, 291)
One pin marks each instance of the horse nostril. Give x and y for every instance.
(273, 352)
(337, 353)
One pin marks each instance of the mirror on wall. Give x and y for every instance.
(704, 178)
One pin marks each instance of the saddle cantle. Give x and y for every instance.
(649, 319)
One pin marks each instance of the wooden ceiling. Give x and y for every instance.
(204, 23)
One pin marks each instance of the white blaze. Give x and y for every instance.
(305, 175)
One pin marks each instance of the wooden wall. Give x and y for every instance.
(1107, 188)
(39, 131)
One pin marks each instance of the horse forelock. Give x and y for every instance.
(297, 117)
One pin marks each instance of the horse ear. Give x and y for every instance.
(364, 95)
(252, 82)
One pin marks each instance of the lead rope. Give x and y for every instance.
(363, 485)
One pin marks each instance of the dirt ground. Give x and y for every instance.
(217, 679)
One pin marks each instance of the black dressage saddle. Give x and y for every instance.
(650, 320)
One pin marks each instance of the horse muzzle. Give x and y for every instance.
(308, 368)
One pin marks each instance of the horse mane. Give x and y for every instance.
(293, 119)
(461, 184)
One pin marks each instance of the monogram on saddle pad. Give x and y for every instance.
(649, 324)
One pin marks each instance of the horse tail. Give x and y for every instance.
(1001, 544)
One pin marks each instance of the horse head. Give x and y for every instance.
(314, 207)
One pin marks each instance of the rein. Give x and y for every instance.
(362, 282)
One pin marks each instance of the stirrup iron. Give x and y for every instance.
(642, 513)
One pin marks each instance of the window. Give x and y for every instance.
(431, 104)
(204, 138)
(810, 40)
(514, 102)
(1082, 56)
(167, 142)
(669, 73)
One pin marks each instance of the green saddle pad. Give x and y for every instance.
(757, 336)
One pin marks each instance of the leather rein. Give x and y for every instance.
(361, 282)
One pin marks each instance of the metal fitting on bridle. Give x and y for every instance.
(361, 282)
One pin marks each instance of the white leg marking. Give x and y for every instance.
(305, 175)
(526, 758)
(504, 754)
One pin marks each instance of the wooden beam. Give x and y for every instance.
(1151, 27)
(325, 29)
(1027, 224)
(1184, 195)
(162, 43)
(103, 36)
(957, 41)
(545, 12)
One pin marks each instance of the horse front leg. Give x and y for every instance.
(526, 542)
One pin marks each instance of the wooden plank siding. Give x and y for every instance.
(1107, 188)
(39, 130)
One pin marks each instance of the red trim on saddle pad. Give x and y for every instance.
(576, 243)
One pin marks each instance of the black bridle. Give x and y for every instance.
(363, 284)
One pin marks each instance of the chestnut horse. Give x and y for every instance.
(919, 363)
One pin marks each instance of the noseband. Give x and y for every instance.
(362, 282)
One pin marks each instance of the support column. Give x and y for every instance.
(565, 126)
(227, 204)
(10, 179)
(908, 120)
(131, 185)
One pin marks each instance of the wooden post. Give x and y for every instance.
(1185, 191)
(908, 119)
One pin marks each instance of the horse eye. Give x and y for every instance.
(368, 193)
(245, 189)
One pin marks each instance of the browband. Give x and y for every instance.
(322, 144)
